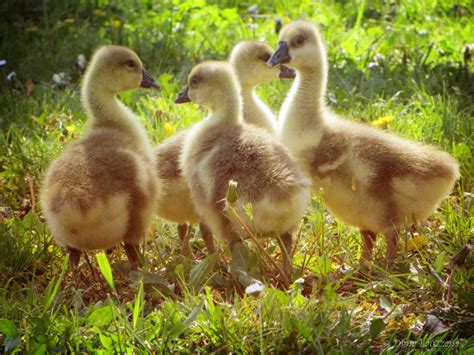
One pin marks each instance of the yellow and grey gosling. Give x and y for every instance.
(371, 179)
(103, 189)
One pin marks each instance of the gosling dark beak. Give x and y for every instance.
(281, 55)
(148, 81)
(287, 73)
(183, 96)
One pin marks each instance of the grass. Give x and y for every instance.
(399, 65)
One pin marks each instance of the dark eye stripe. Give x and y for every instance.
(298, 41)
(195, 79)
(130, 63)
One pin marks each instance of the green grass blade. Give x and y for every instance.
(54, 285)
(105, 269)
(138, 305)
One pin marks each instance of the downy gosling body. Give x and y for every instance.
(102, 190)
(222, 147)
(248, 59)
(371, 179)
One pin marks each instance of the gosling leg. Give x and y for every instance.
(132, 254)
(368, 239)
(285, 241)
(183, 234)
(392, 247)
(206, 235)
(74, 258)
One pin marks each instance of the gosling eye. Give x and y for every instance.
(299, 41)
(265, 57)
(130, 64)
(194, 81)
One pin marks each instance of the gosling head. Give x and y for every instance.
(116, 69)
(249, 60)
(300, 45)
(211, 84)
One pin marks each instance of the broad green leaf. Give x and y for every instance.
(439, 262)
(148, 278)
(376, 327)
(462, 151)
(302, 328)
(105, 340)
(8, 328)
(201, 271)
(323, 265)
(101, 316)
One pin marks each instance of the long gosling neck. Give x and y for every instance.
(105, 110)
(305, 104)
(102, 106)
(227, 106)
(312, 86)
(255, 111)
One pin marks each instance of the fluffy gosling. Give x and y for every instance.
(102, 190)
(221, 148)
(371, 179)
(248, 59)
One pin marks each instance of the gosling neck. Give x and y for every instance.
(255, 111)
(305, 105)
(308, 96)
(105, 110)
(226, 107)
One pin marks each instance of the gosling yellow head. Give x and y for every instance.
(117, 69)
(211, 84)
(299, 45)
(249, 60)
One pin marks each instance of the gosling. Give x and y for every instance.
(102, 190)
(371, 179)
(221, 148)
(248, 59)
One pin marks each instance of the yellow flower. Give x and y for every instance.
(417, 243)
(383, 121)
(116, 23)
(168, 128)
(404, 322)
(366, 306)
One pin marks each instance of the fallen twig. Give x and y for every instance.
(32, 192)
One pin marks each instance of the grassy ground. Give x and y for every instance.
(394, 64)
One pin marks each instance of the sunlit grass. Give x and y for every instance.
(399, 66)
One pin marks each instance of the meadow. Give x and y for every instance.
(405, 66)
